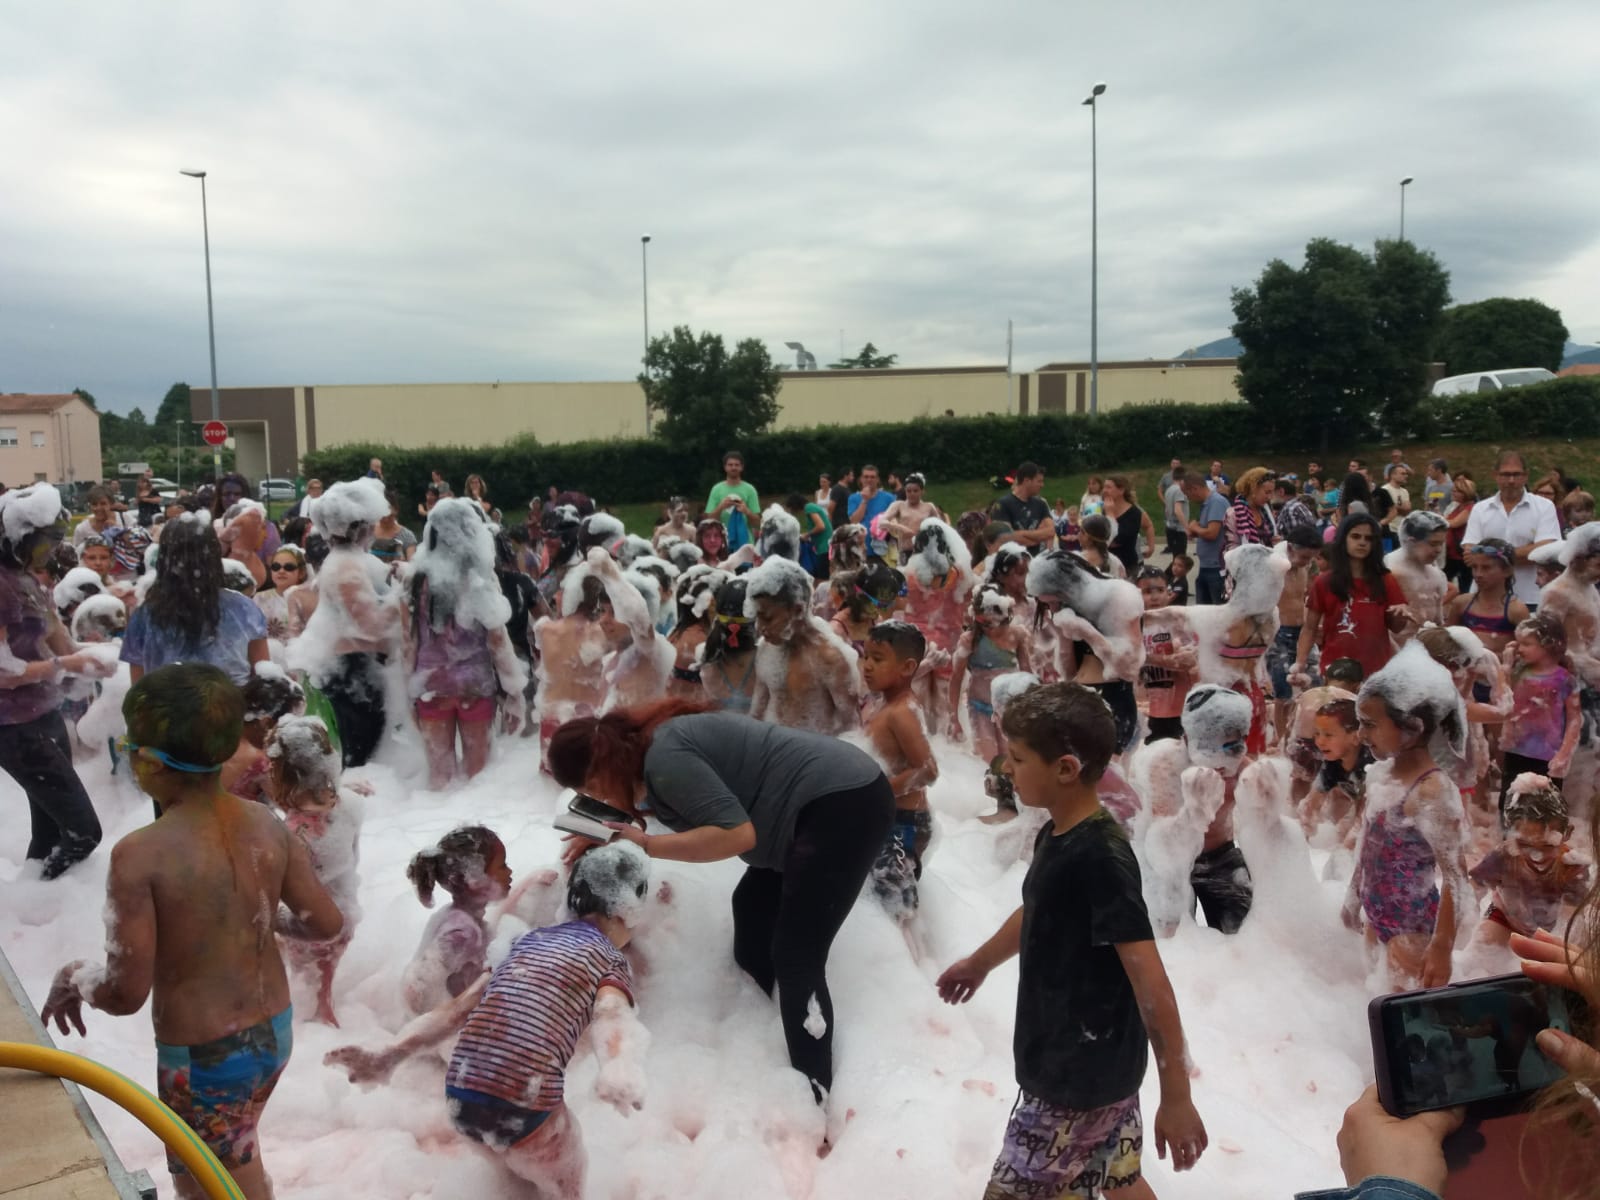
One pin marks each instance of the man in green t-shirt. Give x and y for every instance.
(734, 502)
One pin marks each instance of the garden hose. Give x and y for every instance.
(160, 1120)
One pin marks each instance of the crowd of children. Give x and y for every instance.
(1422, 738)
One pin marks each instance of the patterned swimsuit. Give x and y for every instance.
(1400, 895)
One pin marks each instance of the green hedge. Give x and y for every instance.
(626, 472)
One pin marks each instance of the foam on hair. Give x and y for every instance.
(1215, 717)
(1582, 542)
(76, 586)
(780, 534)
(29, 509)
(1421, 525)
(1420, 693)
(611, 881)
(781, 579)
(936, 551)
(345, 510)
(101, 616)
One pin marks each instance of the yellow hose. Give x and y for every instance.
(160, 1120)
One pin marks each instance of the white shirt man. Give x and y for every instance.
(1517, 516)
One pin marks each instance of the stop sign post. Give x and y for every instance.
(215, 433)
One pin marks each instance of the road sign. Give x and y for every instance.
(215, 433)
(133, 468)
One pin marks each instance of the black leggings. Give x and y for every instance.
(784, 921)
(38, 755)
(355, 692)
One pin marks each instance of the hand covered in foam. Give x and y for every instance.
(621, 1041)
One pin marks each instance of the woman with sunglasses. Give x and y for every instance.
(287, 569)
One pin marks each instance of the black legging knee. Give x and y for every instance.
(784, 922)
(38, 755)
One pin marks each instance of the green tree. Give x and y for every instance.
(868, 359)
(86, 397)
(1340, 343)
(1494, 334)
(707, 398)
(174, 407)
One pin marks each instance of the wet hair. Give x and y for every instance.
(614, 744)
(845, 547)
(186, 597)
(1496, 548)
(1340, 573)
(1549, 632)
(1342, 711)
(915, 477)
(316, 550)
(902, 637)
(592, 887)
(872, 589)
(1544, 805)
(1054, 720)
(1443, 648)
(1027, 471)
(192, 711)
(460, 857)
(270, 697)
(728, 632)
(1348, 671)
(1304, 536)
(1096, 530)
(1421, 525)
(300, 763)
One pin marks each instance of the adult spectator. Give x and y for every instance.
(103, 518)
(808, 814)
(816, 531)
(824, 493)
(299, 507)
(1396, 459)
(1206, 529)
(1294, 508)
(1128, 522)
(1355, 496)
(441, 484)
(1023, 510)
(1358, 466)
(1313, 476)
(1216, 479)
(839, 497)
(734, 502)
(1518, 517)
(375, 469)
(189, 616)
(1166, 476)
(1176, 507)
(35, 749)
(147, 501)
(1393, 502)
(1436, 491)
(1249, 520)
(869, 503)
(1463, 496)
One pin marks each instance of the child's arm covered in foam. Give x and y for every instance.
(123, 984)
(620, 1042)
(431, 1028)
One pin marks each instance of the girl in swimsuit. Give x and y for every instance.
(995, 645)
(862, 599)
(728, 662)
(469, 863)
(696, 596)
(1492, 611)
(1409, 888)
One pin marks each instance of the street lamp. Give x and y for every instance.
(644, 266)
(1094, 247)
(804, 360)
(1404, 183)
(211, 325)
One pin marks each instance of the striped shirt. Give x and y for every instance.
(517, 1042)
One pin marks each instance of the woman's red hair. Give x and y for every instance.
(614, 745)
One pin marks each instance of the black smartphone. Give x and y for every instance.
(1467, 1043)
(586, 805)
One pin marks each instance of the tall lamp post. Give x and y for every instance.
(211, 325)
(644, 268)
(1094, 247)
(1404, 183)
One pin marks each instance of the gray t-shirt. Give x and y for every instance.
(1177, 508)
(724, 769)
(1215, 508)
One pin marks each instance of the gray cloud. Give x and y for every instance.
(425, 192)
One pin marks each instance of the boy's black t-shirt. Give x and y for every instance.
(838, 501)
(1080, 1041)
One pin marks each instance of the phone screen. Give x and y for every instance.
(1466, 1043)
(597, 810)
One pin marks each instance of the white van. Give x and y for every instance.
(1491, 381)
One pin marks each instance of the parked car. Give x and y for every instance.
(165, 488)
(276, 489)
(1491, 381)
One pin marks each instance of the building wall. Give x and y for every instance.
(855, 397)
(1067, 390)
(70, 449)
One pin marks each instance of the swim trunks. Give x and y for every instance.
(1280, 658)
(1062, 1152)
(496, 1123)
(1221, 881)
(219, 1088)
(1165, 729)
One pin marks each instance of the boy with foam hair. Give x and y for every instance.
(1092, 988)
(1415, 563)
(1535, 878)
(806, 675)
(520, 1027)
(889, 664)
(221, 996)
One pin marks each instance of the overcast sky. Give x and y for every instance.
(456, 192)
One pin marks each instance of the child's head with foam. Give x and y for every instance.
(893, 652)
(1423, 534)
(780, 533)
(1257, 574)
(730, 627)
(347, 513)
(99, 619)
(469, 863)
(1404, 705)
(270, 694)
(610, 883)
(936, 551)
(777, 594)
(1536, 820)
(304, 768)
(1216, 723)
(1541, 642)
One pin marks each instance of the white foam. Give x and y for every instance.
(344, 506)
(24, 510)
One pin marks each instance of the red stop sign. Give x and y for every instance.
(215, 433)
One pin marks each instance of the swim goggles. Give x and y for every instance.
(1488, 551)
(131, 748)
(877, 603)
(726, 619)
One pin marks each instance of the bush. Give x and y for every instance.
(626, 472)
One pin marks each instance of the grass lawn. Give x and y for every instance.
(1579, 459)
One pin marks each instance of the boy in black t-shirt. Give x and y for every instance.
(1092, 989)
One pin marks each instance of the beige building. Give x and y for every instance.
(274, 427)
(54, 439)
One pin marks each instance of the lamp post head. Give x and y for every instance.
(645, 238)
(1098, 89)
(193, 174)
(1406, 180)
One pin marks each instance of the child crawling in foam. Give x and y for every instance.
(221, 997)
(521, 1025)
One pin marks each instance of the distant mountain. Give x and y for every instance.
(1227, 347)
(1576, 353)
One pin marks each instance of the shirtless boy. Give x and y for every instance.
(642, 663)
(572, 651)
(805, 676)
(1415, 564)
(1301, 544)
(221, 1008)
(893, 653)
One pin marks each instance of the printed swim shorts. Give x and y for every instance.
(1052, 1152)
(219, 1088)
